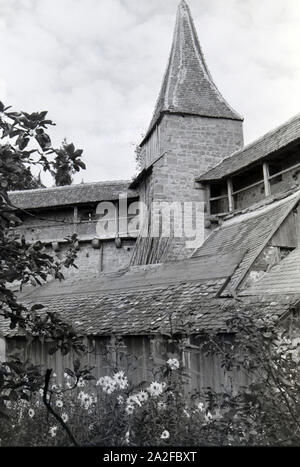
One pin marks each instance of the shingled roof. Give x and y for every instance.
(187, 85)
(270, 143)
(283, 278)
(139, 299)
(70, 195)
(180, 296)
(247, 233)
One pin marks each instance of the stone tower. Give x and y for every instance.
(193, 128)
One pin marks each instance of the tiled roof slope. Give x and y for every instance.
(247, 233)
(201, 270)
(72, 194)
(271, 142)
(284, 278)
(187, 85)
(132, 300)
(183, 307)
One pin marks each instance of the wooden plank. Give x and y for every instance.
(266, 179)
(230, 195)
(286, 235)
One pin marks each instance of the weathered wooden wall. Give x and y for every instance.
(140, 357)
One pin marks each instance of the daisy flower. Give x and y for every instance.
(165, 435)
(31, 413)
(81, 383)
(129, 409)
(65, 417)
(53, 431)
(161, 406)
(173, 363)
(120, 400)
(121, 380)
(59, 403)
(155, 389)
(142, 396)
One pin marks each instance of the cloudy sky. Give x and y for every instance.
(97, 66)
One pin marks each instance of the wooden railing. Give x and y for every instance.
(265, 180)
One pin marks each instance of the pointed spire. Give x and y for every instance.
(187, 85)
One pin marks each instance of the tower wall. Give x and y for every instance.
(191, 145)
(187, 146)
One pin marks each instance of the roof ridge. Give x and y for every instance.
(66, 187)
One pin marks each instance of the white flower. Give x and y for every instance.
(86, 400)
(54, 375)
(201, 407)
(165, 435)
(155, 389)
(208, 417)
(133, 400)
(81, 383)
(142, 396)
(121, 380)
(161, 406)
(7, 404)
(100, 381)
(120, 400)
(68, 385)
(66, 376)
(53, 431)
(127, 436)
(186, 413)
(65, 417)
(108, 384)
(59, 403)
(129, 409)
(31, 413)
(173, 363)
(109, 388)
(82, 395)
(53, 386)
(41, 392)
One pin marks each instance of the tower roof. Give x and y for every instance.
(187, 85)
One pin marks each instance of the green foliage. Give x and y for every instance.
(27, 144)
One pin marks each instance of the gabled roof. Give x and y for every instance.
(270, 143)
(247, 233)
(70, 195)
(187, 85)
(283, 278)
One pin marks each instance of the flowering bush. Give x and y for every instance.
(112, 411)
(108, 412)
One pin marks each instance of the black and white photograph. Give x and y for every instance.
(149, 227)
